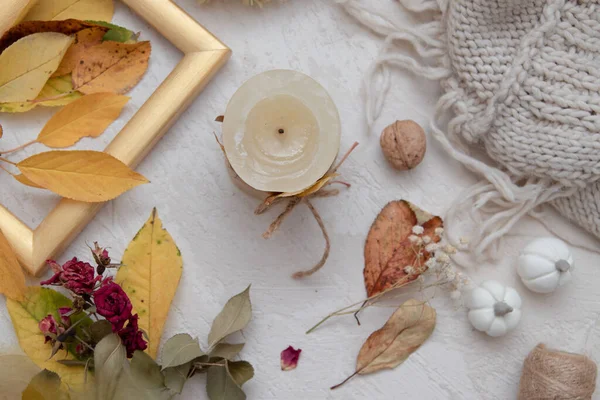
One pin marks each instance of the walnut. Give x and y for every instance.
(403, 144)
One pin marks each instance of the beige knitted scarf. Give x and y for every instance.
(522, 82)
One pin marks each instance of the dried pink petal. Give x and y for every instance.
(289, 358)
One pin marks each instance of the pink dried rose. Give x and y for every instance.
(75, 275)
(289, 358)
(65, 315)
(113, 304)
(48, 327)
(132, 337)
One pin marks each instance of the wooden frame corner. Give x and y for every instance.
(203, 56)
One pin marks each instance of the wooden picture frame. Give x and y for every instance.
(203, 56)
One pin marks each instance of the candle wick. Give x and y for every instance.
(281, 131)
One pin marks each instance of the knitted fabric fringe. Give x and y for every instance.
(500, 199)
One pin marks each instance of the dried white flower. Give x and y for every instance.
(439, 231)
(409, 269)
(450, 275)
(418, 230)
(449, 249)
(463, 240)
(413, 238)
(442, 257)
(426, 239)
(432, 247)
(431, 263)
(455, 295)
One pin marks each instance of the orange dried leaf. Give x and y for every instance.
(84, 40)
(26, 181)
(388, 250)
(111, 67)
(12, 278)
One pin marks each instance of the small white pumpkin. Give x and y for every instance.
(545, 264)
(494, 308)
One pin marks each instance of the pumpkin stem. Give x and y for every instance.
(501, 309)
(562, 265)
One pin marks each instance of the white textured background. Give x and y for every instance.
(221, 242)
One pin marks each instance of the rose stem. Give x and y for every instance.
(339, 164)
(21, 147)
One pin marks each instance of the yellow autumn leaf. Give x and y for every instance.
(89, 176)
(26, 315)
(56, 10)
(150, 275)
(12, 278)
(28, 63)
(87, 116)
(57, 92)
(26, 181)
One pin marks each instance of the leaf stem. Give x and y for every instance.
(5, 170)
(344, 381)
(21, 147)
(339, 164)
(58, 96)
(7, 161)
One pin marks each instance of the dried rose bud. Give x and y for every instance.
(101, 257)
(65, 315)
(289, 358)
(48, 327)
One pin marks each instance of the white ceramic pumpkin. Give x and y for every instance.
(494, 308)
(545, 264)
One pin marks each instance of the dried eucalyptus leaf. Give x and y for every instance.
(129, 390)
(226, 350)
(406, 330)
(179, 350)
(44, 386)
(109, 358)
(146, 372)
(99, 330)
(240, 371)
(176, 377)
(220, 385)
(234, 317)
(72, 363)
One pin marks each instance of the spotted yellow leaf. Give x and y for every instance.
(25, 316)
(28, 63)
(152, 267)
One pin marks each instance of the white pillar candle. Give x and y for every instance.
(281, 131)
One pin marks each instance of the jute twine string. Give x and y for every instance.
(557, 375)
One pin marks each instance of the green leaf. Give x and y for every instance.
(179, 350)
(226, 350)
(241, 371)
(25, 316)
(116, 33)
(146, 372)
(109, 359)
(234, 317)
(176, 377)
(221, 386)
(99, 329)
(44, 386)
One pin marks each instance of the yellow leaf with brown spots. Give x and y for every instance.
(150, 275)
(111, 67)
(57, 92)
(84, 41)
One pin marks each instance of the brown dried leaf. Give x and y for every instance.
(111, 67)
(406, 330)
(84, 40)
(68, 27)
(388, 250)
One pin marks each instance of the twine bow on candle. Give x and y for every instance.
(557, 375)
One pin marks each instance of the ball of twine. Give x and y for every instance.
(557, 375)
